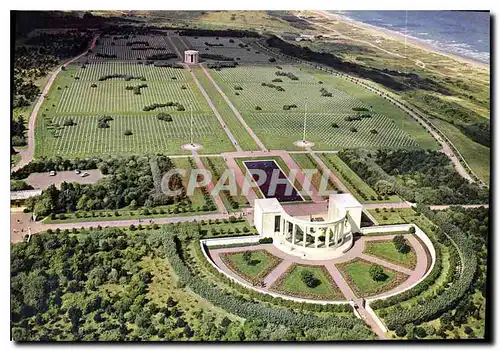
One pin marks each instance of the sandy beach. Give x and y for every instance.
(393, 35)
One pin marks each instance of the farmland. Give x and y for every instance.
(84, 100)
(272, 101)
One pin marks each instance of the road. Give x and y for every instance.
(207, 98)
(27, 154)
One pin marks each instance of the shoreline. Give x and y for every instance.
(399, 37)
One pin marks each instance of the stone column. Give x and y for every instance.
(327, 237)
(294, 230)
(316, 240)
(304, 232)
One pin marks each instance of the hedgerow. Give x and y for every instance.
(251, 310)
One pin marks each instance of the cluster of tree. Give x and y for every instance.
(325, 92)
(401, 244)
(103, 55)
(103, 121)
(289, 107)
(250, 309)
(218, 33)
(148, 48)
(429, 177)
(213, 44)
(177, 105)
(274, 86)
(136, 88)
(391, 79)
(360, 109)
(287, 74)
(216, 57)
(162, 116)
(438, 305)
(137, 42)
(166, 56)
(218, 65)
(309, 279)
(18, 131)
(17, 185)
(127, 77)
(377, 273)
(129, 182)
(480, 132)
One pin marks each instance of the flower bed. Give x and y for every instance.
(333, 294)
(397, 278)
(273, 262)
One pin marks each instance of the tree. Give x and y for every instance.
(74, 315)
(384, 187)
(401, 244)
(247, 256)
(377, 273)
(309, 279)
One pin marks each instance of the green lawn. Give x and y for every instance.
(260, 265)
(382, 106)
(77, 99)
(387, 251)
(357, 275)
(273, 119)
(235, 127)
(217, 167)
(306, 162)
(476, 155)
(392, 216)
(357, 186)
(186, 164)
(290, 283)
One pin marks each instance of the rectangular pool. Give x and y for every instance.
(283, 192)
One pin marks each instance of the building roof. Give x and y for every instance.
(190, 52)
(268, 205)
(345, 200)
(24, 194)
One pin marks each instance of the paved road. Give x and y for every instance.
(27, 154)
(235, 111)
(205, 95)
(37, 227)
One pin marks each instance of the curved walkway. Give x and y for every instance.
(28, 153)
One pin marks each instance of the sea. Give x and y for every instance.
(463, 33)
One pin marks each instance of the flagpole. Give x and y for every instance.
(191, 125)
(305, 116)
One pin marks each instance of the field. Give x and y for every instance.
(291, 283)
(357, 274)
(387, 251)
(260, 264)
(76, 100)
(264, 108)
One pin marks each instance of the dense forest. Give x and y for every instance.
(99, 285)
(133, 181)
(420, 176)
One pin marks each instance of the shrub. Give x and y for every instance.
(128, 132)
(377, 273)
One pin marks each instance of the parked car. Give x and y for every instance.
(84, 174)
(77, 171)
(52, 173)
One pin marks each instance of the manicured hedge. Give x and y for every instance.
(252, 310)
(450, 298)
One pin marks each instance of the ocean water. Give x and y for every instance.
(463, 33)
